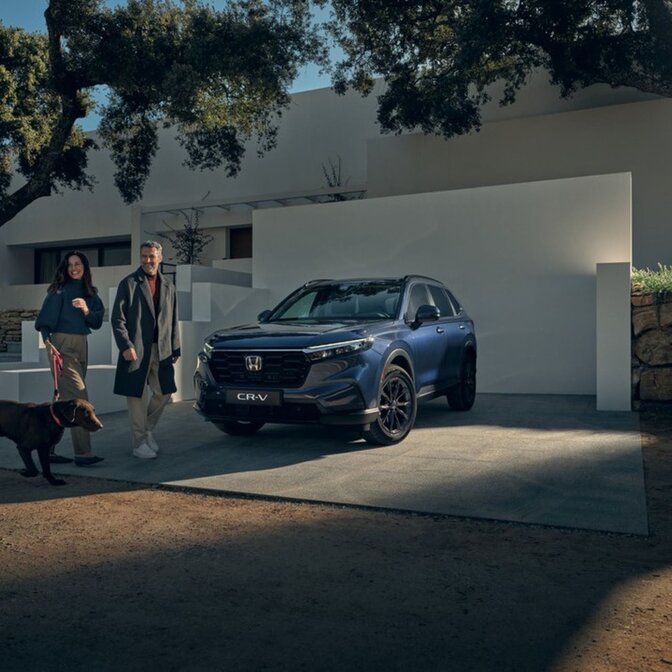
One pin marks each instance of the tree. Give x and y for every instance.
(332, 176)
(190, 241)
(219, 78)
(438, 58)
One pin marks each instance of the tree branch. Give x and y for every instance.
(41, 182)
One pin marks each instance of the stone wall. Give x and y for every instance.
(651, 349)
(10, 325)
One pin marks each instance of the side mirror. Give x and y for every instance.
(264, 315)
(426, 313)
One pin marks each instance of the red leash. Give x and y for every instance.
(57, 370)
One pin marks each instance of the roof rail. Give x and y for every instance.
(408, 277)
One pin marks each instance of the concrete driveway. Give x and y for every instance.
(549, 460)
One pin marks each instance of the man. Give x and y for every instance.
(144, 323)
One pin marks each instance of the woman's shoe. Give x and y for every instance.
(58, 459)
(88, 461)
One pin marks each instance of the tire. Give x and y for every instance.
(463, 395)
(239, 427)
(398, 406)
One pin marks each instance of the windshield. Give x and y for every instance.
(340, 302)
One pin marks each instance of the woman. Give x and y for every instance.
(70, 310)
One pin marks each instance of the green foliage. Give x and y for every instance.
(190, 241)
(658, 283)
(439, 57)
(217, 78)
(29, 111)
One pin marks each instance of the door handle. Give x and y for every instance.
(439, 330)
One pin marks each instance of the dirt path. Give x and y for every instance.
(109, 576)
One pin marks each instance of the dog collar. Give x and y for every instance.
(53, 415)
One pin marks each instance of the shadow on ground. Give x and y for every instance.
(120, 578)
(534, 459)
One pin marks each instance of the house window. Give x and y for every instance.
(103, 254)
(240, 242)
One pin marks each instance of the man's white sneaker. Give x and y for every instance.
(151, 442)
(144, 452)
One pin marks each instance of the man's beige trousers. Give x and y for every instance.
(145, 412)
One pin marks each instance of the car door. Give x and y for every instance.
(452, 330)
(427, 341)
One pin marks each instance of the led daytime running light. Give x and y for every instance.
(318, 352)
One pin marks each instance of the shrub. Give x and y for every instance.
(657, 283)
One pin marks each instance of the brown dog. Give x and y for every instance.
(40, 426)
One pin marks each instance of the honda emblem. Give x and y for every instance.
(253, 362)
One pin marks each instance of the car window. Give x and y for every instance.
(418, 297)
(440, 300)
(343, 301)
(456, 304)
(300, 308)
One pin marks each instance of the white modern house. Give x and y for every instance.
(533, 222)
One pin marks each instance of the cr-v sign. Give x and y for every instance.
(251, 396)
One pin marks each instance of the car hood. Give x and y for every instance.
(286, 336)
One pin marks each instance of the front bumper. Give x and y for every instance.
(328, 402)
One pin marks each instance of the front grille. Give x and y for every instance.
(282, 368)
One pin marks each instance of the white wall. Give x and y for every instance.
(635, 138)
(318, 125)
(522, 258)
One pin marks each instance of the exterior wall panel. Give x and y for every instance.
(522, 258)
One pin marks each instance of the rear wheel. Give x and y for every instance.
(397, 405)
(239, 427)
(463, 395)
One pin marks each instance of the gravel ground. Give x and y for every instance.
(111, 576)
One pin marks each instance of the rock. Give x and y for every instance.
(642, 299)
(644, 318)
(665, 315)
(656, 385)
(654, 347)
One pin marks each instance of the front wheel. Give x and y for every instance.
(397, 405)
(239, 427)
(463, 395)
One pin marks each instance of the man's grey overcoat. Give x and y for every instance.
(133, 321)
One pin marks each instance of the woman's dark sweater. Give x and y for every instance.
(58, 315)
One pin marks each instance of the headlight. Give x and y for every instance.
(318, 352)
(204, 355)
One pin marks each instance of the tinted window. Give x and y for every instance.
(103, 254)
(418, 297)
(301, 307)
(240, 242)
(455, 302)
(115, 255)
(342, 301)
(441, 300)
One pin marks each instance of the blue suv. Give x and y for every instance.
(358, 352)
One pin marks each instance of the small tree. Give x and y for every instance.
(189, 241)
(332, 175)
